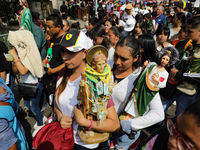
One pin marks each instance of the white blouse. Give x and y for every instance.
(153, 114)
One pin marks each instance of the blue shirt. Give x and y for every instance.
(161, 19)
(8, 120)
(7, 137)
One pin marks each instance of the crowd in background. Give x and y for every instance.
(133, 33)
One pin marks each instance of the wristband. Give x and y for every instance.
(91, 124)
(49, 120)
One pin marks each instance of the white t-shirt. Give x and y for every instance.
(29, 78)
(172, 32)
(143, 11)
(116, 13)
(67, 101)
(122, 23)
(153, 115)
(135, 10)
(84, 30)
(110, 60)
(122, 8)
(90, 43)
(122, 90)
(127, 17)
(158, 48)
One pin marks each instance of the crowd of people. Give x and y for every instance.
(152, 51)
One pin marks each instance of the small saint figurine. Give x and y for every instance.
(25, 18)
(149, 82)
(96, 89)
(158, 76)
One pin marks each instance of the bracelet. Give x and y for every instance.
(91, 124)
(49, 120)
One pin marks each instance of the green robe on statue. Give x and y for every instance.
(143, 94)
(26, 20)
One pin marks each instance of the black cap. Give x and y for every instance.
(74, 41)
(178, 4)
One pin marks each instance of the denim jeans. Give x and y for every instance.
(125, 33)
(33, 104)
(182, 102)
(44, 99)
(121, 141)
(12, 79)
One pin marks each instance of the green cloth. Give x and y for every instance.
(40, 40)
(149, 25)
(180, 47)
(182, 64)
(143, 94)
(49, 56)
(194, 63)
(26, 20)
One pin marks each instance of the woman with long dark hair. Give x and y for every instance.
(125, 72)
(93, 22)
(108, 24)
(147, 48)
(162, 36)
(179, 19)
(113, 36)
(139, 28)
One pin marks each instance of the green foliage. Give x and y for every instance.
(4, 31)
(8, 9)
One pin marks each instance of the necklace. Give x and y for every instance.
(62, 37)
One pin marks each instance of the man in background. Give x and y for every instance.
(179, 8)
(159, 17)
(63, 10)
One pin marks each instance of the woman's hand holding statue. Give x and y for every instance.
(80, 119)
